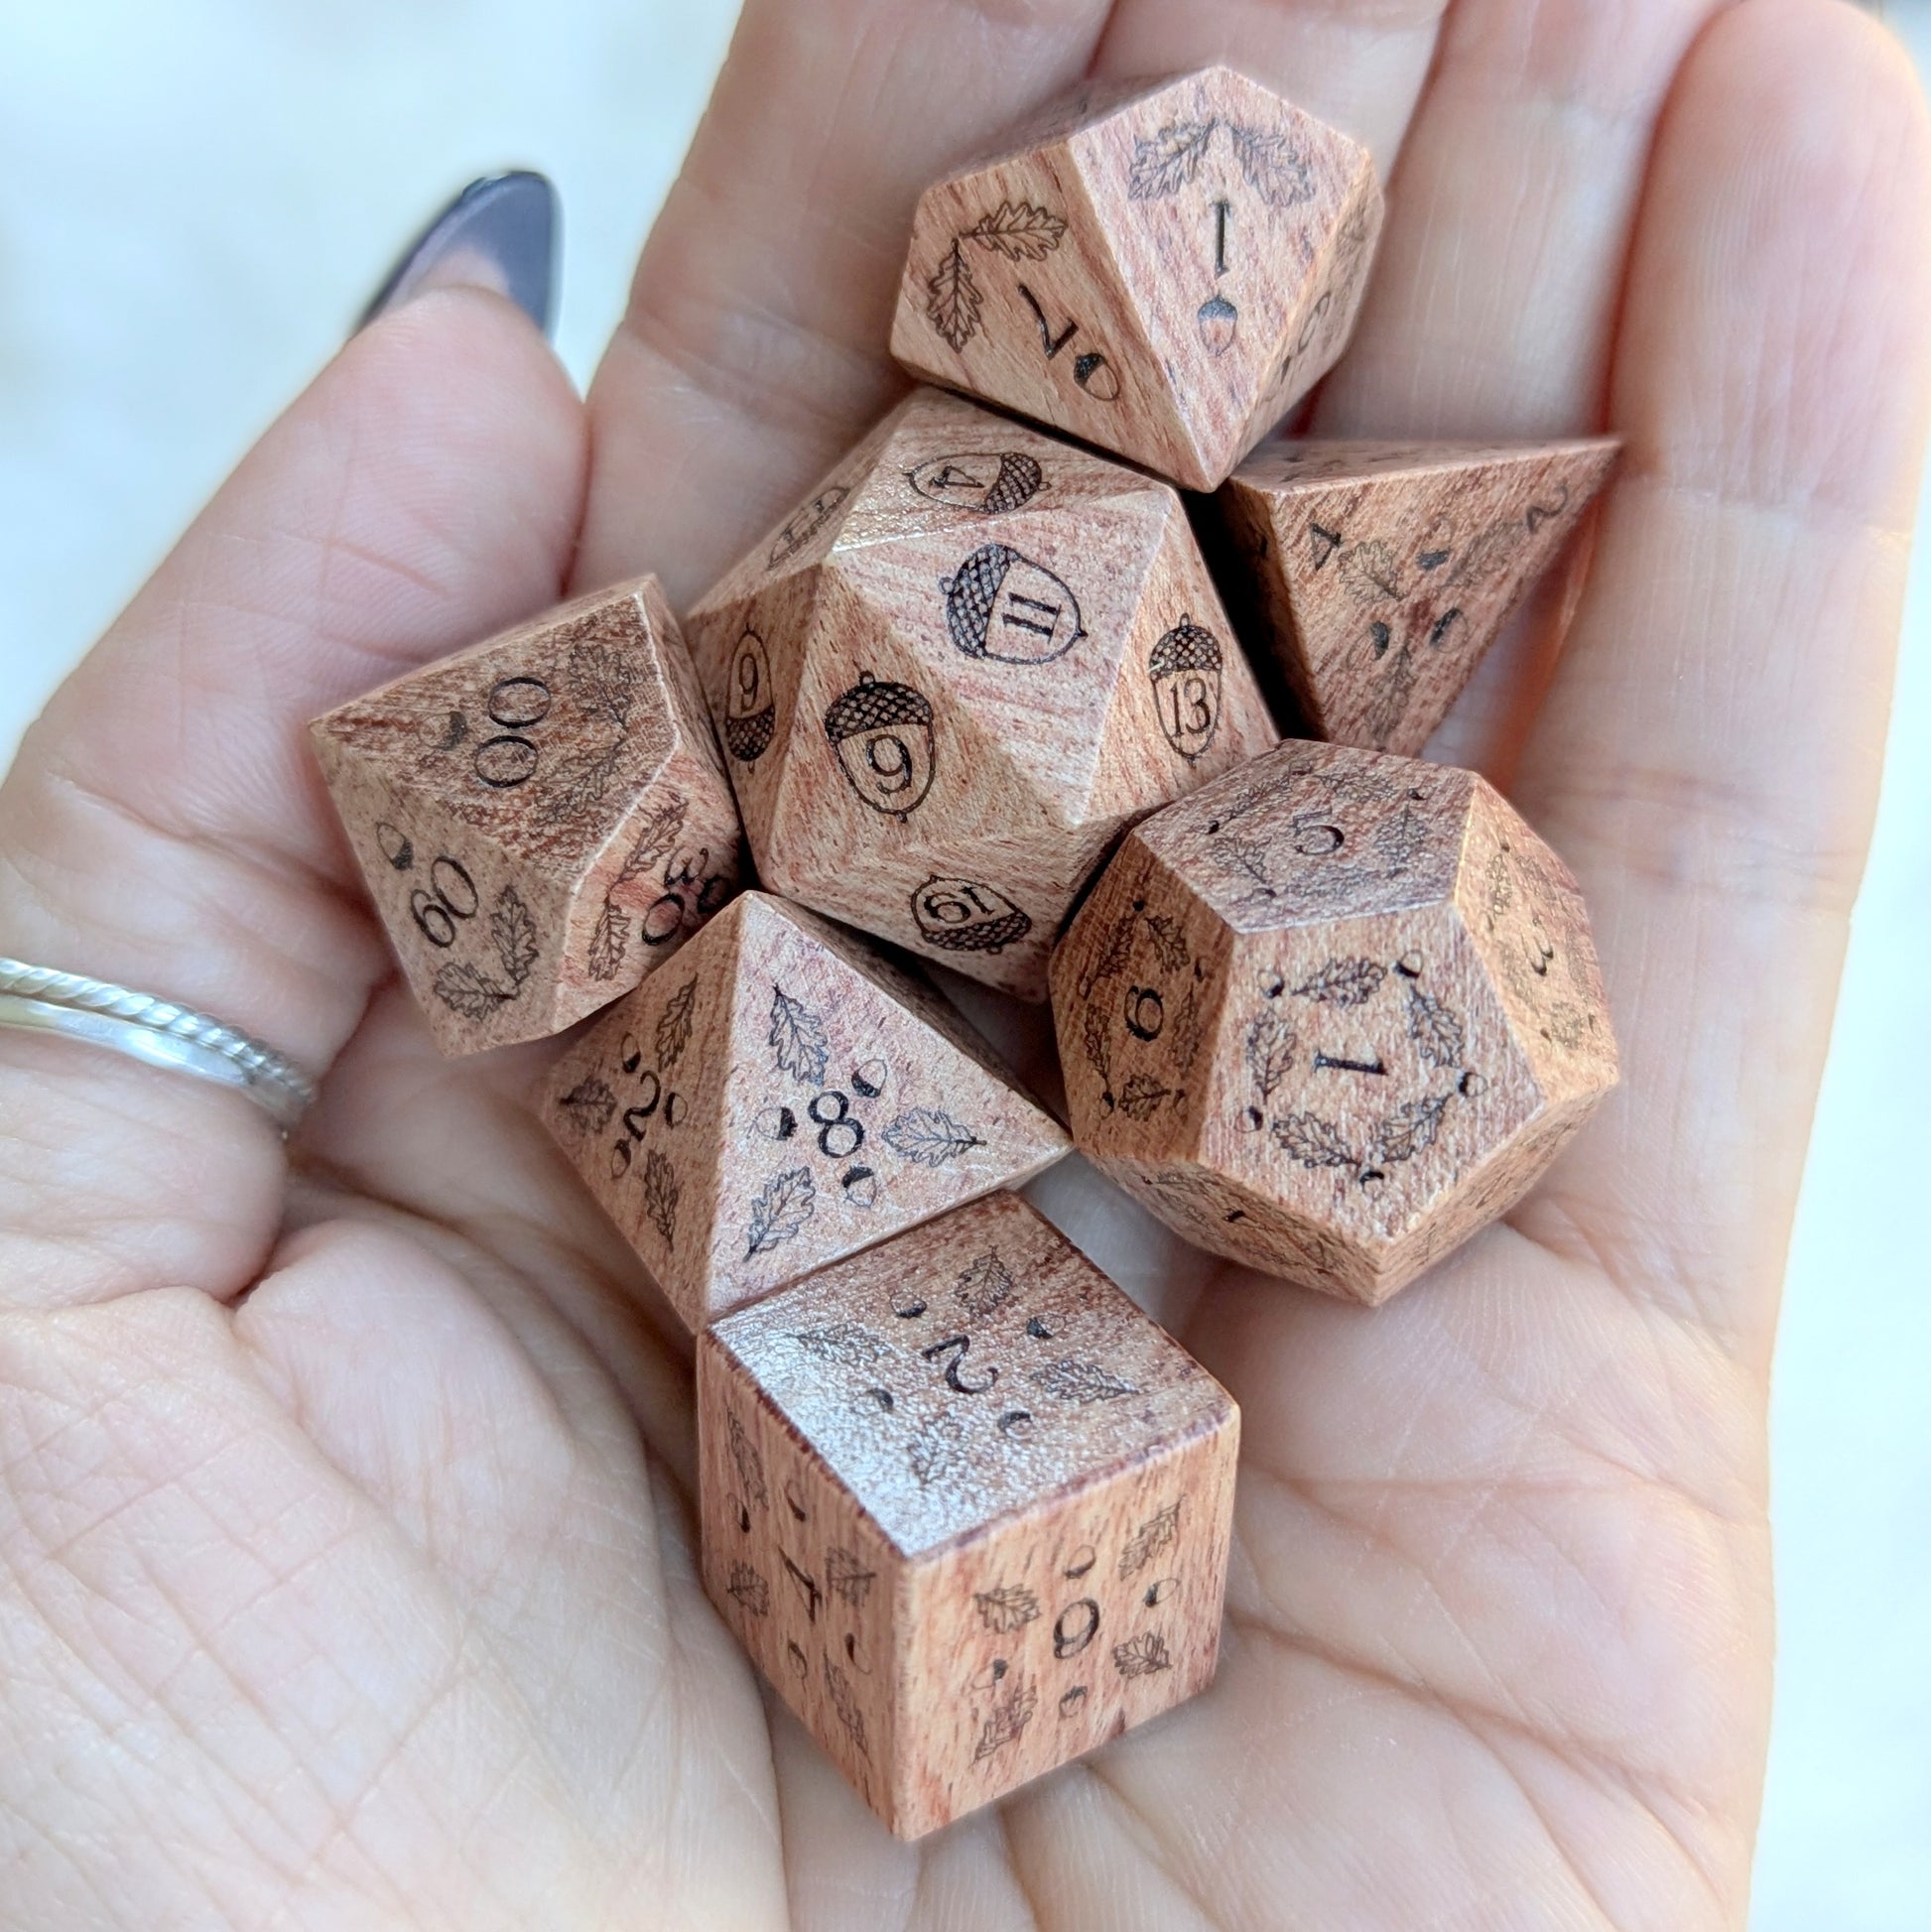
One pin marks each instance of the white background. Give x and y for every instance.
(196, 199)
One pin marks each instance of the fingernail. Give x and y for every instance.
(499, 233)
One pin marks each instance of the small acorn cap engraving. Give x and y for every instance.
(1187, 647)
(872, 703)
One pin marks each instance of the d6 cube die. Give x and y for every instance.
(966, 1508)
(1331, 1014)
(1162, 272)
(968, 663)
(541, 820)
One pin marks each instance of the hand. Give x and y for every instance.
(346, 1523)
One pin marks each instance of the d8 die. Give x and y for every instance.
(1162, 272)
(950, 679)
(1331, 1014)
(785, 1095)
(1382, 572)
(966, 1508)
(541, 820)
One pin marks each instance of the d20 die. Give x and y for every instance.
(949, 681)
(966, 1508)
(1382, 572)
(542, 820)
(786, 1096)
(1331, 1014)
(1162, 272)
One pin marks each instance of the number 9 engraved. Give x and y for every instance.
(882, 734)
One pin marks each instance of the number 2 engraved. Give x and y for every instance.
(954, 1349)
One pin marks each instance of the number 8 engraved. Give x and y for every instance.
(452, 896)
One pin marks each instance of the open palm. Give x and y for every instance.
(346, 1570)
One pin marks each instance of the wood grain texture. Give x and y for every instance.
(966, 1506)
(1330, 1015)
(542, 820)
(1381, 572)
(956, 673)
(786, 1096)
(1163, 273)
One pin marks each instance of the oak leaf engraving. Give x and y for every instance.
(1312, 1142)
(1009, 1717)
(657, 837)
(661, 1191)
(1389, 704)
(466, 991)
(987, 1284)
(609, 941)
(1165, 162)
(674, 1025)
(846, 1577)
(1276, 169)
(1142, 1656)
(749, 1589)
(604, 680)
(589, 1106)
(1154, 1537)
(780, 1210)
(1080, 1381)
(952, 300)
(1008, 1609)
(1434, 1029)
(746, 1460)
(1093, 1039)
(580, 784)
(1409, 1132)
(1370, 574)
(1400, 840)
(1018, 230)
(929, 1136)
(937, 1451)
(1184, 1036)
(1343, 983)
(1169, 941)
(1269, 1051)
(515, 934)
(849, 1342)
(845, 1704)
(1141, 1097)
(798, 1038)
(1112, 957)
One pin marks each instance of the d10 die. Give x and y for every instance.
(1331, 1014)
(1382, 572)
(1163, 273)
(784, 1097)
(954, 676)
(966, 1508)
(541, 820)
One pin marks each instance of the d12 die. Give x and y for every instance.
(1382, 572)
(1162, 272)
(966, 1508)
(784, 1097)
(954, 674)
(1331, 1014)
(541, 820)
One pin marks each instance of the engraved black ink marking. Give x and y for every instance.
(928, 1136)
(1075, 1627)
(1146, 1012)
(850, 1344)
(1443, 626)
(1324, 543)
(1143, 1655)
(870, 1079)
(846, 1703)
(1269, 1052)
(746, 1458)
(1080, 1381)
(986, 1285)
(1217, 322)
(1050, 342)
(1185, 667)
(1162, 1592)
(451, 896)
(954, 1349)
(750, 706)
(911, 1311)
(476, 995)
(1038, 1329)
(989, 484)
(882, 734)
(1001, 605)
(749, 1589)
(395, 845)
(1071, 1701)
(860, 1186)
(1312, 1142)
(967, 916)
(1017, 230)
(1015, 1422)
(807, 1586)
(1083, 1558)
(1325, 1062)
(800, 1663)
(1008, 1718)
(780, 1210)
(589, 1106)
(884, 1397)
(847, 1578)
(839, 1136)
(1096, 376)
(806, 522)
(1541, 513)
(1009, 1607)
(1343, 983)
(1222, 210)
(938, 1452)
(797, 1038)
(1154, 1537)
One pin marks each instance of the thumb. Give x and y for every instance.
(164, 826)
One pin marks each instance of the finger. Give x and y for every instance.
(165, 826)
(1494, 299)
(1710, 757)
(753, 352)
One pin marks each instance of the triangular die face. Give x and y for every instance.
(1390, 573)
(1021, 622)
(1011, 293)
(1221, 205)
(1185, 705)
(948, 466)
(845, 1118)
(540, 740)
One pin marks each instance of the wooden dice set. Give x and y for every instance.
(1323, 1008)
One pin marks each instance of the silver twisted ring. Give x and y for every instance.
(154, 1031)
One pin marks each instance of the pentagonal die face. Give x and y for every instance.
(1297, 1028)
(966, 1506)
(541, 820)
(941, 711)
(1163, 274)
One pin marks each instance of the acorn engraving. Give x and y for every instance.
(1184, 667)
(1002, 605)
(882, 734)
(806, 522)
(967, 916)
(1217, 321)
(750, 705)
(986, 481)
